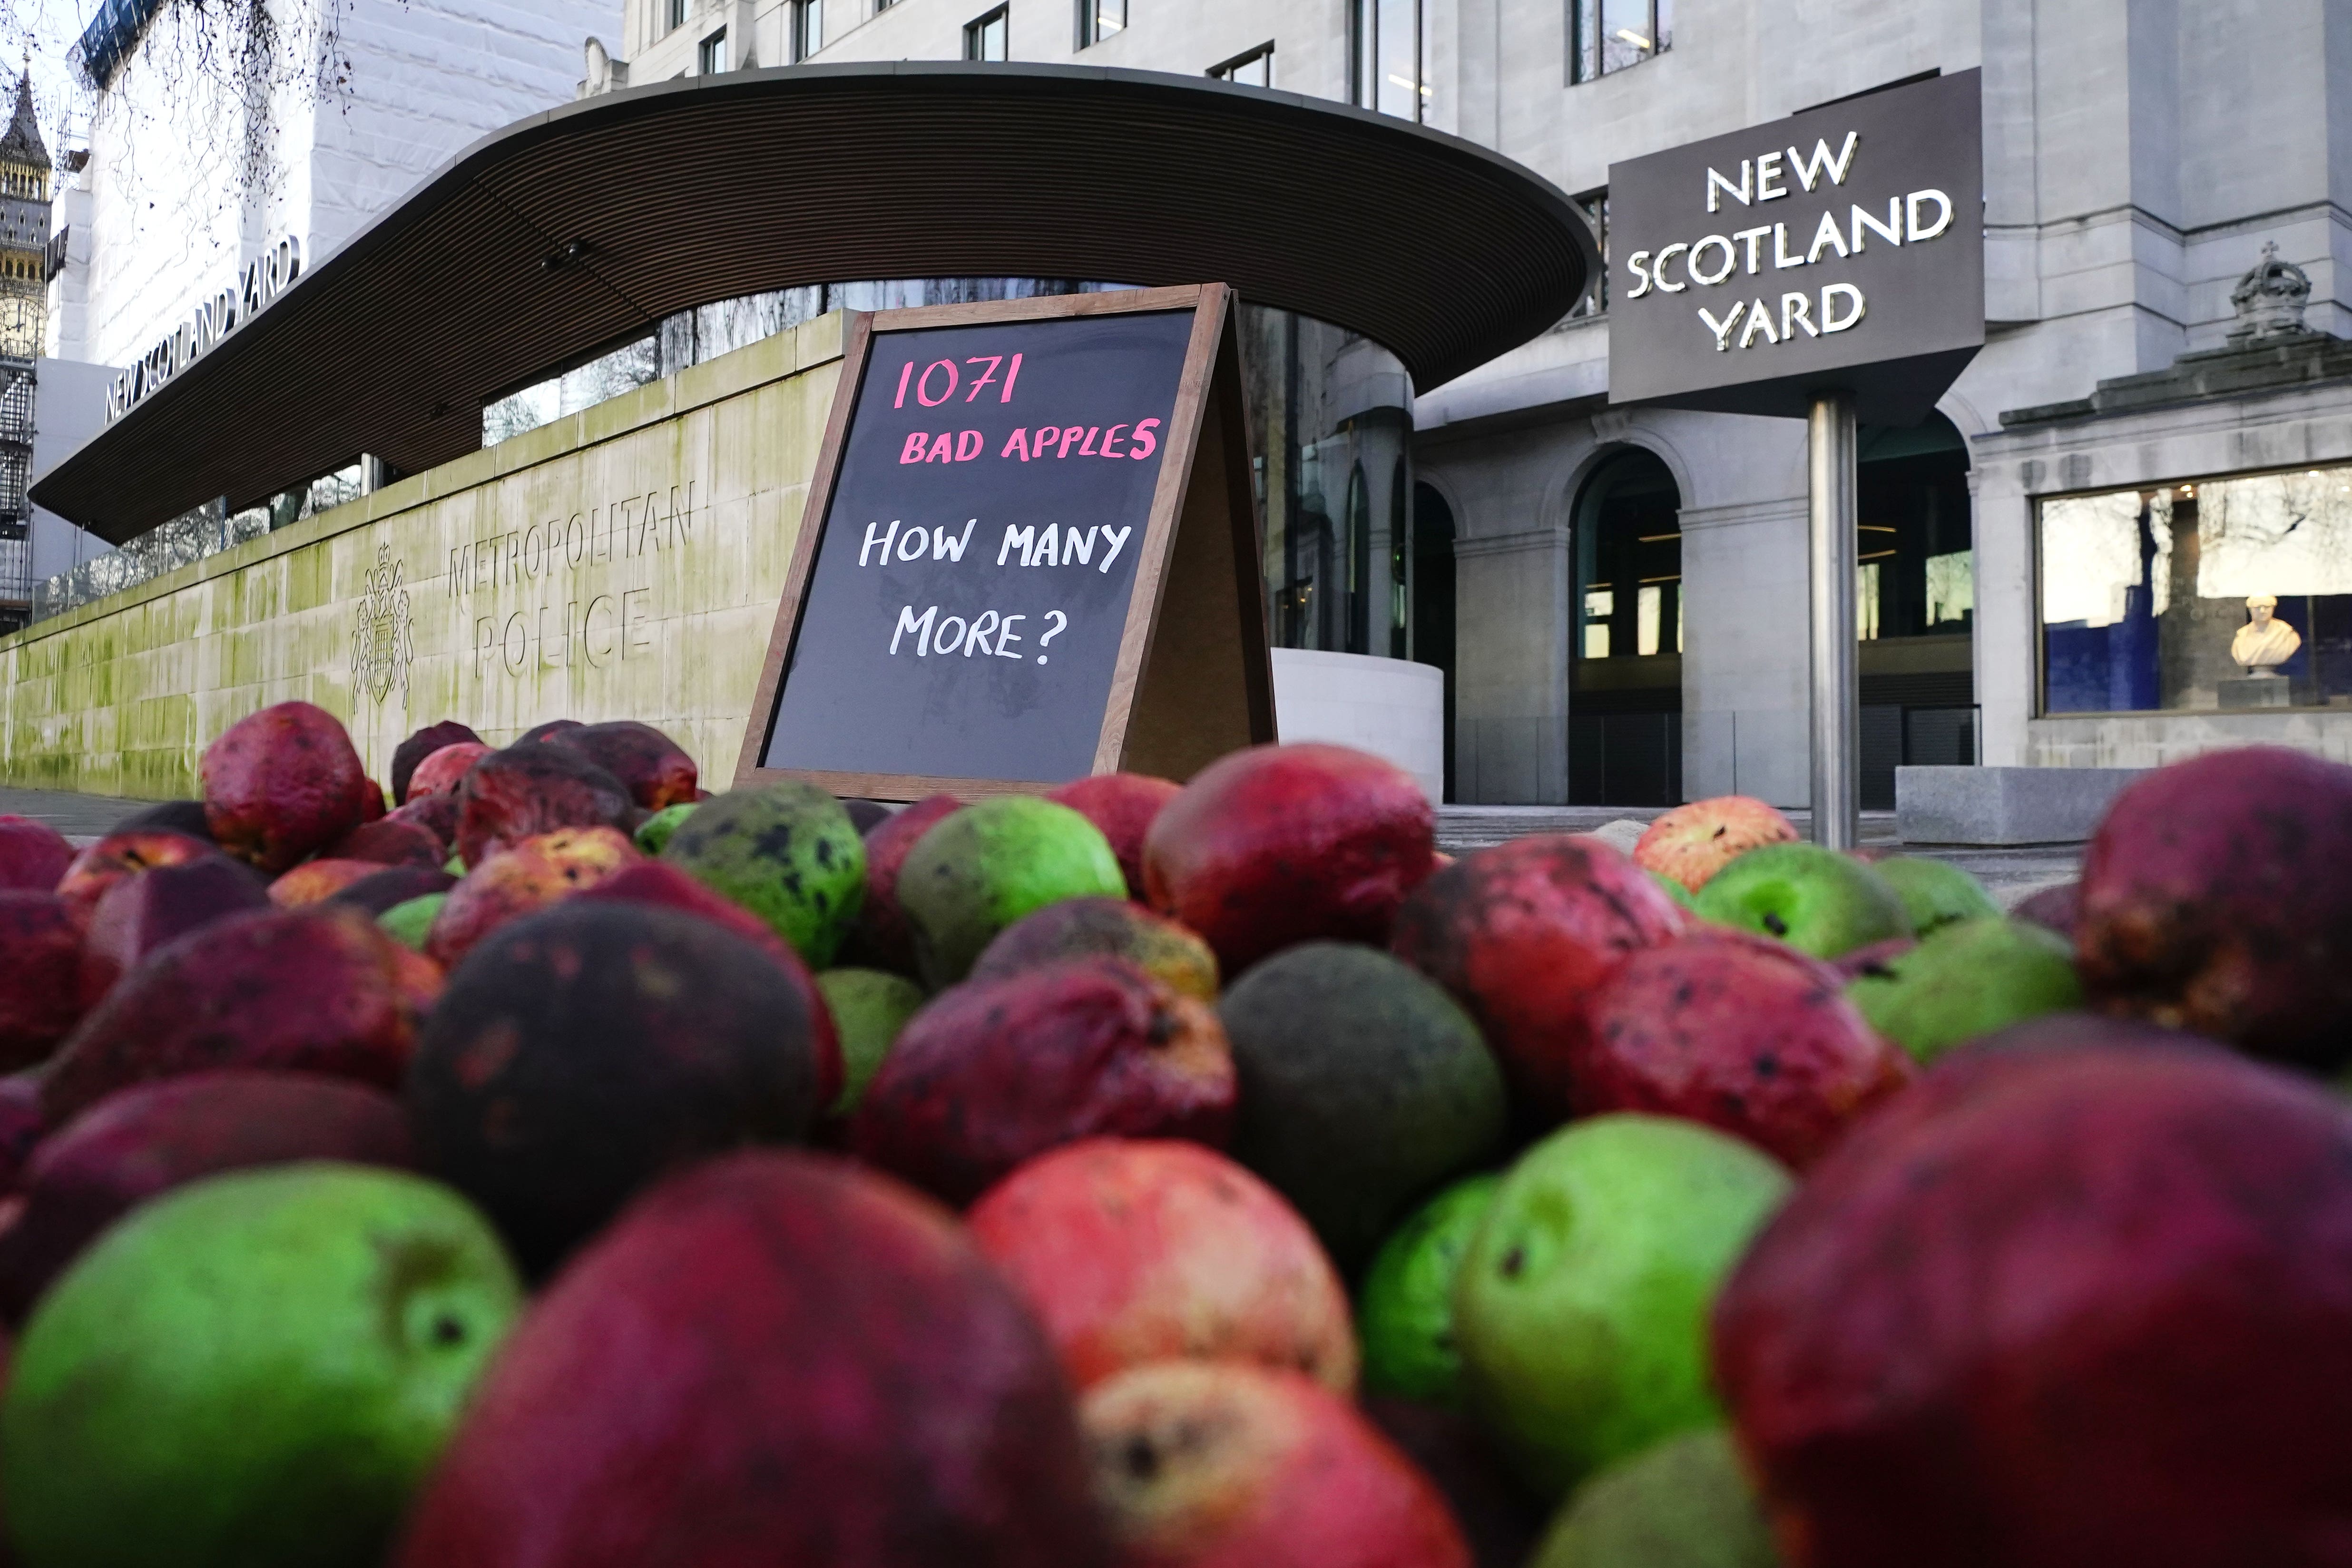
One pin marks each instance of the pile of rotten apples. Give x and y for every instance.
(569, 1169)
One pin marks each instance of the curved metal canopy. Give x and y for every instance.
(701, 189)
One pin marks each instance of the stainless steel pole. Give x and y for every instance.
(1837, 716)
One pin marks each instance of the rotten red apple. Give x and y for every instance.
(1278, 845)
(771, 1358)
(320, 989)
(994, 1072)
(1133, 1250)
(2083, 1295)
(1738, 1032)
(1524, 934)
(281, 784)
(1123, 806)
(2214, 898)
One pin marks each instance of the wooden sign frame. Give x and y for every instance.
(1192, 679)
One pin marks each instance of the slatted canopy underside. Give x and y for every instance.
(688, 191)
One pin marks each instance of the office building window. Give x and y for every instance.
(1384, 57)
(1607, 36)
(677, 13)
(712, 58)
(1101, 19)
(806, 20)
(1594, 205)
(1254, 68)
(2227, 594)
(988, 38)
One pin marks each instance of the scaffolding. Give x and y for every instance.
(17, 386)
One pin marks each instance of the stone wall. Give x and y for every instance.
(2152, 739)
(622, 563)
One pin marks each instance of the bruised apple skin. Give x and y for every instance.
(1123, 806)
(771, 1358)
(41, 990)
(1279, 845)
(655, 769)
(436, 813)
(881, 939)
(281, 784)
(527, 877)
(153, 1137)
(444, 770)
(664, 885)
(390, 843)
(1524, 934)
(1738, 1032)
(33, 855)
(2214, 898)
(425, 742)
(140, 913)
(529, 789)
(1136, 1249)
(995, 1072)
(319, 989)
(124, 854)
(2083, 1295)
(315, 880)
(1225, 1465)
(584, 1052)
(1103, 928)
(391, 886)
(1691, 842)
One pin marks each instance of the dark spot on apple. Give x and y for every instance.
(1143, 1460)
(1768, 1067)
(449, 1331)
(1774, 924)
(1515, 1262)
(1722, 830)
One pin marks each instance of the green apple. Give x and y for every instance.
(410, 921)
(1964, 980)
(1934, 892)
(977, 870)
(1815, 900)
(254, 1371)
(1581, 1307)
(653, 834)
(1682, 1504)
(787, 852)
(870, 1007)
(1674, 890)
(1405, 1314)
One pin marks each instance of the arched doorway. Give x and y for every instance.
(1915, 603)
(1625, 646)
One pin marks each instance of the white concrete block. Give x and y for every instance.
(1389, 706)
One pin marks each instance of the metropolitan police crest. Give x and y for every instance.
(382, 645)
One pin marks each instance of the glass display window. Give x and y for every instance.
(2223, 593)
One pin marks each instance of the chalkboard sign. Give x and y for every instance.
(1029, 553)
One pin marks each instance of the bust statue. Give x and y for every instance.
(2265, 641)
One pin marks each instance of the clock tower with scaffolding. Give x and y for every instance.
(25, 172)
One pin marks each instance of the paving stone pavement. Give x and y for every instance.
(2010, 873)
(77, 816)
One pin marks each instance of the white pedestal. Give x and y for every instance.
(1388, 707)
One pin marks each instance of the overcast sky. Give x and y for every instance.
(42, 31)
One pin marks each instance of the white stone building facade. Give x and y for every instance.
(2138, 155)
(1617, 594)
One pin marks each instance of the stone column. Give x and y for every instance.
(1510, 702)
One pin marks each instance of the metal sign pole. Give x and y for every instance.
(1837, 717)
